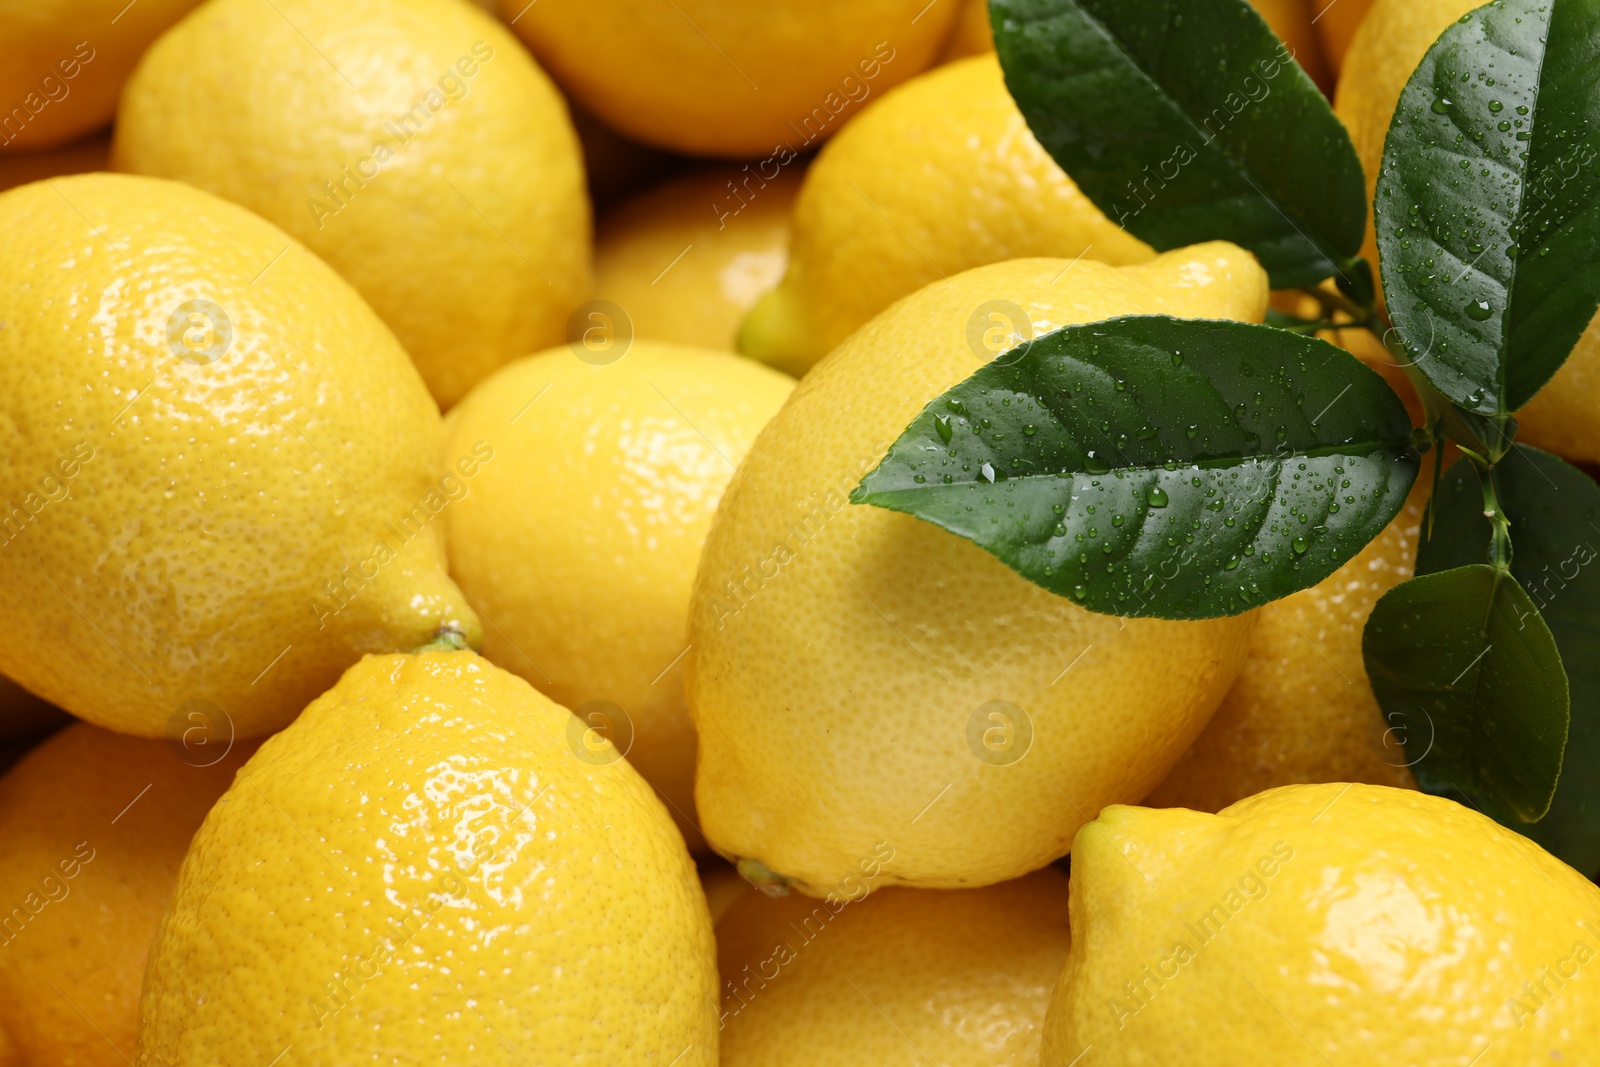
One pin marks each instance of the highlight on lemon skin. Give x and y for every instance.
(427, 810)
(244, 505)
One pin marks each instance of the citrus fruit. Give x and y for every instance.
(1391, 42)
(939, 176)
(859, 676)
(897, 978)
(220, 481)
(93, 826)
(1336, 22)
(725, 78)
(1301, 709)
(686, 259)
(410, 143)
(1318, 924)
(63, 64)
(79, 157)
(419, 869)
(585, 582)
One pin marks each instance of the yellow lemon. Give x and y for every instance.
(686, 259)
(420, 870)
(63, 64)
(1563, 417)
(93, 826)
(1301, 709)
(898, 978)
(1319, 924)
(1336, 22)
(578, 540)
(80, 157)
(219, 462)
(859, 676)
(727, 78)
(937, 177)
(410, 143)
(973, 35)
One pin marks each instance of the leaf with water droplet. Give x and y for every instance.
(1554, 509)
(1128, 102)
(1487, 313)
(1222, 487)
(1460, 660)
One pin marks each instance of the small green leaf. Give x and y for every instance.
(1462, 661)
(1488, 206)
(1188, 121)
(1162, 467)
(1554, 510)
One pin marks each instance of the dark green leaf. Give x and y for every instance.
(1554, 510)
(1488, 207)
(1155, 466)
(1187, 121)
(1462, 663)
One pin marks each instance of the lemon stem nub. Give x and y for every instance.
(445, 639)
(763, 878)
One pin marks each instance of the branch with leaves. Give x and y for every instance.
(1157, 467)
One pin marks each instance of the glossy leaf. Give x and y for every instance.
(1488, 206)
(1554, 510)
(1462, 663)
(1155, 466)
(1188, 121)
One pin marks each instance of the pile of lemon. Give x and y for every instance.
(403, 738)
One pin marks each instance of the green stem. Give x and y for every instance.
(445, 639)
(1500, 545)
(1331, 302)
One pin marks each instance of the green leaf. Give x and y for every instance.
(1554, 510)
(1187, 121)
(1154, 466)
(1462, 662)
(1488, 206)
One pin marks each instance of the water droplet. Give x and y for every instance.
(1192, 431)
(941, 423)
(1095, 465)
(987, 472)
(1156, 497)
(1300, 544)
(1479, 310)
(1029, 431)
(1496, 106)
(1441, 106)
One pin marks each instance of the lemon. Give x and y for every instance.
(1391, 42)
(220, 480)
(1301, 709)
(579, 541)
(686, 259)
(973, 35)
(421, 870)
(1319, 924)
(859, 676)
(900, 977)
(410, 143)
(93, 826)
(80, 157)
(937, 177)
(63, 63)
(728, 78)
(1336, 22)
